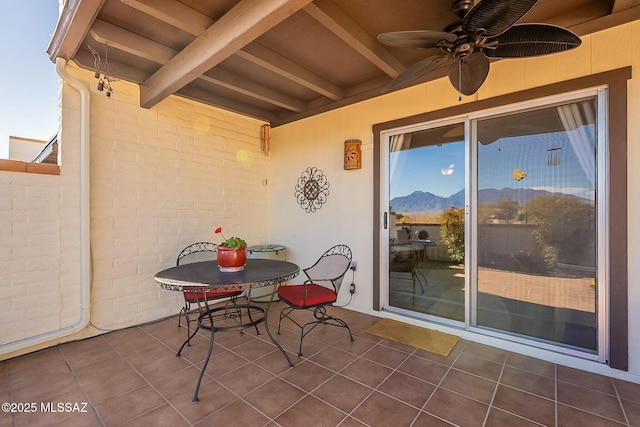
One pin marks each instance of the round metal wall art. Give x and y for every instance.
(312, 189)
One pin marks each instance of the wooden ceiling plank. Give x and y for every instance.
(320, 106)
(119, 38)
(327, 13)
(250, 88)
(245, 22)
(126, 41)
(195, 23)
(173, 13)
(226, 104)
(282, 66)
(620, 5)
(73, 25)
(622, 17)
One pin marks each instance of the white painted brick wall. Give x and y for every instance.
(39, 245)
(160, 179)
(29, 254)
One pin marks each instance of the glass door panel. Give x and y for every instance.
(426, 226)
(536, 224)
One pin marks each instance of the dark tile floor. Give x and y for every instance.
(132, 377)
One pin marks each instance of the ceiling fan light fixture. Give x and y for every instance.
(486, 30)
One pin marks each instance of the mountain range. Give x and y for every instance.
(422, 201)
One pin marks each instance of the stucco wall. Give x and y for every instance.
(160, 179)
(348, 215)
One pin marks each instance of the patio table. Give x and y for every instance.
(206, 277)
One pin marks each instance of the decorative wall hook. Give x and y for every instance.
(103, 71)
(265, 139)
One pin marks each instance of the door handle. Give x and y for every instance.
(385, 221)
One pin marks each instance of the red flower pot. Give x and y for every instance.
(230, 260)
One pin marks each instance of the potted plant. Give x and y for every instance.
(232, 253)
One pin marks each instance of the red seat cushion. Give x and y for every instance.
(316, 295)
(191, 296)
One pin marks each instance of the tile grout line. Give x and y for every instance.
(147, 381)
(495, 390)
(439, 385)
(624, 413)
(335, 373)
(84, 392)
(5, 363)
(555, 382)
(373, 389)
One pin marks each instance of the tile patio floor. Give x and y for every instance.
(132, 377)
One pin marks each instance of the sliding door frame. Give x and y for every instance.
(617, 257)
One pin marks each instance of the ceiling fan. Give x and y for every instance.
(486, 30)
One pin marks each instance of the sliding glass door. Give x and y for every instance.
(537, 224)
(494, 223)
(426, 196)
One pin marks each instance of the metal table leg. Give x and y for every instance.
(266, 326)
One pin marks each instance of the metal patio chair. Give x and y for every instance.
(196, 252)
(320, 290)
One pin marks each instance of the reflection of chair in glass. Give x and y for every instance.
(403, 258)
(196, 252)
(319, 291)
(403, 235)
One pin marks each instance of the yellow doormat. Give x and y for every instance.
(426, 339)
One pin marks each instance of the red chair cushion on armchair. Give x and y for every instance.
(306, 295)
(193, 297)
(329, 270)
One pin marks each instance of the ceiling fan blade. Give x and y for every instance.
(420, 39)
(490, 18)
(417, 70)
(527, 40)
(467, 75)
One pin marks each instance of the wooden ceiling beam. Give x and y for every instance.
(126, 41)
(195, 23)
(197, 95)
(252, 89)
(273, 61)
(245, 22)
(365, 91)
(327, 13)
(620, 5)
(173, 13)
(608, 21)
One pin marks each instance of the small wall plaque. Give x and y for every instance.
(352, 154)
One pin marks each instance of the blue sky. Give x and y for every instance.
(440, 169)
(28, 79)
(429, 169)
